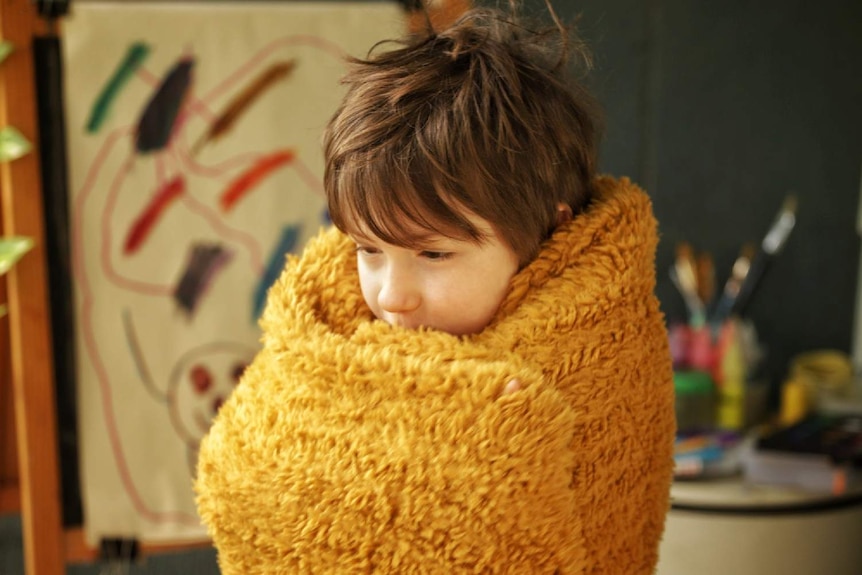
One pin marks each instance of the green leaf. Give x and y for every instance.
(5, 49)
(13, 145)
(11, 250)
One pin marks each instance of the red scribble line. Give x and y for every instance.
(196, 106)
(295, 40)
(160, 171)
(92, 347)
(308, 176)
(199, 105)
(214, 171)
(145, 222)
(245, 239)
(147, 76)
(107, 265)
(92, 174)
(210, 215)
(191, 105)
(252, 177)
(171, 163)
(89, 182)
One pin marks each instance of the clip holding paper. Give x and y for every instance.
(52, 9)
(118, 549)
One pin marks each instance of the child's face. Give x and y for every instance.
(449, 285)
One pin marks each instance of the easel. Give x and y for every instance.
(29, 334)
(29, 468)
(29, 458)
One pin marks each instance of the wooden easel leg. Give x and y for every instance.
(29, 313)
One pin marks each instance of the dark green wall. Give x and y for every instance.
(720, 110)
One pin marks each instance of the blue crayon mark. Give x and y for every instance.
(286, 245)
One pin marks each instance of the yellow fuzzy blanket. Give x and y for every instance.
(351, 446)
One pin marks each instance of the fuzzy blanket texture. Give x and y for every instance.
(351, 446)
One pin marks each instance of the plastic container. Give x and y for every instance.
(695, 400)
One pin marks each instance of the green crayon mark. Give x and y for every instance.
(135, 56)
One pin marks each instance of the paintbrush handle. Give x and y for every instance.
(759, 266)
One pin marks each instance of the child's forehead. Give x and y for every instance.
(408, 232)
(415, 230)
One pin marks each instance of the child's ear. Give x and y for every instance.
(564, 214)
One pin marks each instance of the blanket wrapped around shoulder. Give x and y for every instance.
(351, 446)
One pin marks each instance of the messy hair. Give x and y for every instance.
(479, 118)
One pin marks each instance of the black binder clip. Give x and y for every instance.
(52, 9)
(411, 5)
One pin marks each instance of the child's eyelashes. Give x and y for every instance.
(435, 256)
(431, 255)
(367, 250)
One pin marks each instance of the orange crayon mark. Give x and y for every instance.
(252, 177)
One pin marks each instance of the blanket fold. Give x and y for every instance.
(351, 446)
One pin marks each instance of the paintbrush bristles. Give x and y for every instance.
(685, 266)
(686, 281)
(784, 222)
(705, 278)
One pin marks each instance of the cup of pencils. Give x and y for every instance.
(714, 345)
(726, 358)
(717, 339)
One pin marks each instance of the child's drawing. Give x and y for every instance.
(195, 162)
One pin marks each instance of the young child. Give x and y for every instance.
(469, 372)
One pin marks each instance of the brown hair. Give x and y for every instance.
(478, 117)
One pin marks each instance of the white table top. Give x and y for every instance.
(736, 494)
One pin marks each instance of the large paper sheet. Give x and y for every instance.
(194, 137)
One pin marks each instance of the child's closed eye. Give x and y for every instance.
(367, 250)
(436, 256)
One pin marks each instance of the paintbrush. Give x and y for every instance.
(770, 247)
(731, 287)
(684, 276)
(705, 269)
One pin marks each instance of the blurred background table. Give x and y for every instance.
(728, 526)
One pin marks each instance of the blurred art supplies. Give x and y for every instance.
(707, 454)
(694, 275)
(732, 373)
(820, 453)
(818, 379)
(770, 247)
(695, 400)
(728, 358)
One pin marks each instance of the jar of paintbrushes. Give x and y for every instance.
(714, 346)
(716, 353)
(718, 340)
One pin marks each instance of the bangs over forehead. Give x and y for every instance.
(402, 205)
(477, 120)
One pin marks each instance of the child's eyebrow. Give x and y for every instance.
(430, 241)
(358, 236)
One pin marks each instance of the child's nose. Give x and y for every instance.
(398, 292)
